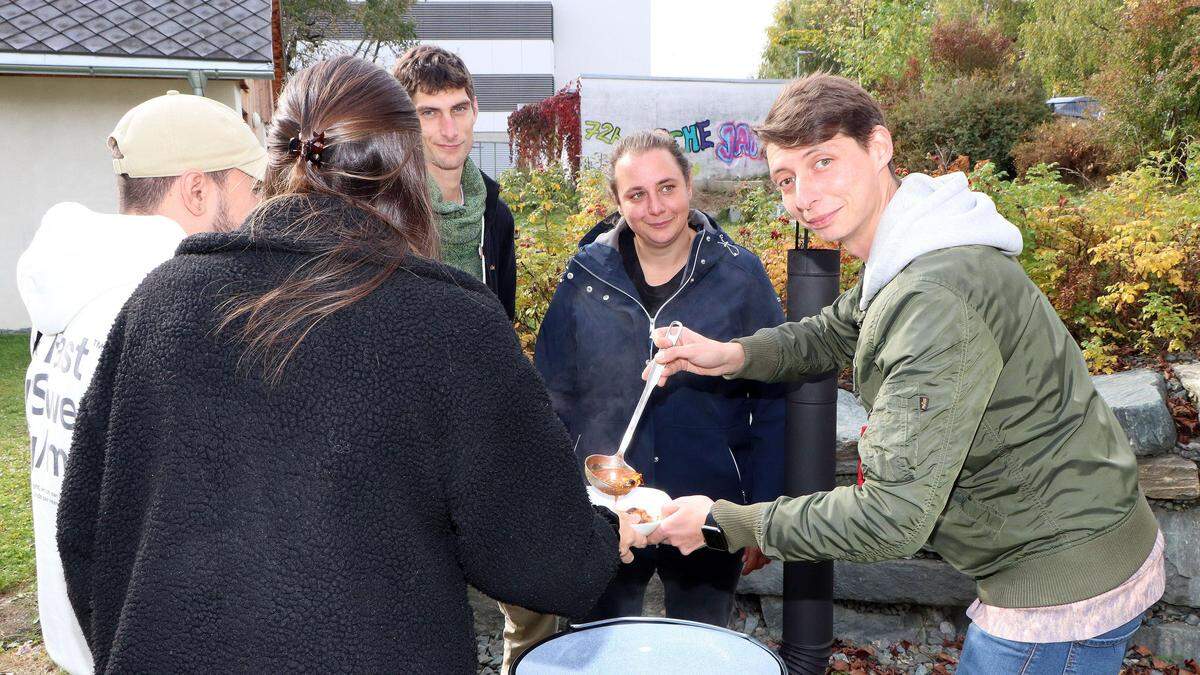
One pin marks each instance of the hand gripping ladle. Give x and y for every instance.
(609, 473)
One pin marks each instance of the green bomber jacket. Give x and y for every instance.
(986, 439)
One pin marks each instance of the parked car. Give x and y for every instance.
(1083, 107)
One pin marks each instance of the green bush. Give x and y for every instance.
(1149, 83)
(981, 116)
(552, 213)
(1118, 264)
(870, 41)
(1064, 42)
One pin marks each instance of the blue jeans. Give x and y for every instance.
(1103, 654)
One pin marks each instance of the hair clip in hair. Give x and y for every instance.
(310, 149)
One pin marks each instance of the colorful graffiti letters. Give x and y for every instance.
(734, 140)
(695, 136)
(602, 131)
(737, 139)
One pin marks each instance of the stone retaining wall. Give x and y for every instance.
(909, 599)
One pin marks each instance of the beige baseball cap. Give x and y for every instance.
(171, 134)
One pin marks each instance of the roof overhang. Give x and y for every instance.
(131, 66)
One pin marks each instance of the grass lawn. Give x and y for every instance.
(16, 524)
(21, 649)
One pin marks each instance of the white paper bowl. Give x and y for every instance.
(649, 500)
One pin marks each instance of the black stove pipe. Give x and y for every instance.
(813, 276)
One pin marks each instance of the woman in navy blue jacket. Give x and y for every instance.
(655, 262)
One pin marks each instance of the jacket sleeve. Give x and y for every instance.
(816, 344)
(526, 532)
(555, 357)
(79, 504)
(506, 261)
(767, 401)
(940, 365)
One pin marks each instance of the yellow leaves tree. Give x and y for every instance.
(1119, 264)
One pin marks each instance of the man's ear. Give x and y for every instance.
(193, 191)
(880, 146)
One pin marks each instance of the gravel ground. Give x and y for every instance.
(938, 656)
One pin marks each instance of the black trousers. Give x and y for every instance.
(697, 587)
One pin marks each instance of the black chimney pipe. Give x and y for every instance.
(813, 276)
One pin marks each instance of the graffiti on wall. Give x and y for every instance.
(737, 139)
(695, 136)
(734, 139)
(606, 132)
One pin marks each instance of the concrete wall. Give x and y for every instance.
(711, 119)
(55, 133)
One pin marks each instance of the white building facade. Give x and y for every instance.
(522, 52)
(70, 70)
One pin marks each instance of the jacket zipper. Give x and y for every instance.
(741, 488)
(482, 259)
(654, 319)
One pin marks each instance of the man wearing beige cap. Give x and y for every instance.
(184, 164)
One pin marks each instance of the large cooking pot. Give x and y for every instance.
(648, 645)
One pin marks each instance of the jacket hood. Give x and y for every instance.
(77, 255)
(602, 258)
(928, 214)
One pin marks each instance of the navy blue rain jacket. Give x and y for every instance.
(699, 435)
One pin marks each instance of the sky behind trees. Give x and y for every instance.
(708, 38)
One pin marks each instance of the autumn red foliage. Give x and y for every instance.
(964, 46)
(540, 133)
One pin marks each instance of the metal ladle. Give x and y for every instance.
(610, 474)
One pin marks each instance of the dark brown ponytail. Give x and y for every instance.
(345, 128)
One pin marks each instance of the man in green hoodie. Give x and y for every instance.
(986, 440)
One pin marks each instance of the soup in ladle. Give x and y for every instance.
(611, 480)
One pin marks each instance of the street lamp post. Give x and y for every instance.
(802, 52)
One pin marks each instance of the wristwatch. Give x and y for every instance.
(714, 536)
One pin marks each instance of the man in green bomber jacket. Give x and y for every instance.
(985, 440)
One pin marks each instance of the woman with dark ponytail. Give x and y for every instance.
(306, 437)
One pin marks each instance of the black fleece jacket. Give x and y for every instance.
(332, 522)
(499, 250)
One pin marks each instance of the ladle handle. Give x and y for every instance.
(674, 330)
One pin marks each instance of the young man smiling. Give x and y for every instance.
(476, 225)
(986, 439)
